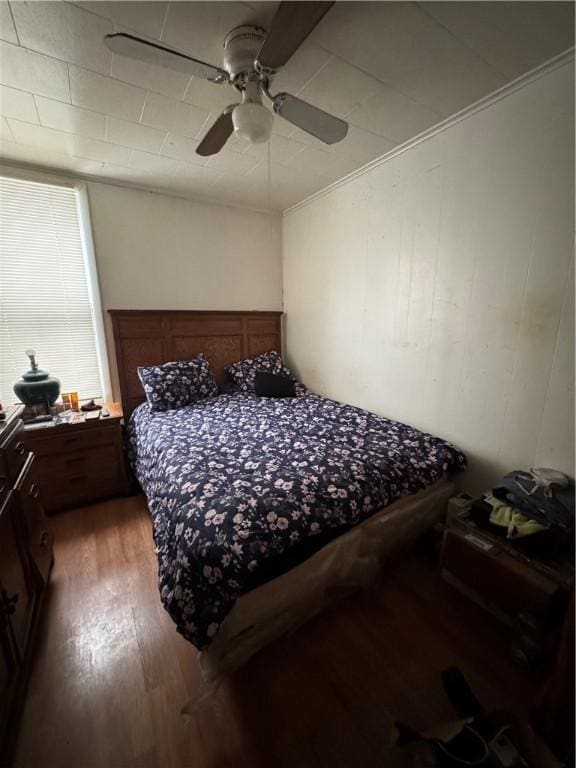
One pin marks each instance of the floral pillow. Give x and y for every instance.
(244, 372)
(174, 385)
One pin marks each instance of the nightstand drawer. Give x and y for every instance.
(70, 490)
(93, 460)
(75, 440)
(496, 577)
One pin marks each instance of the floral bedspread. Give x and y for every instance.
(236, 482)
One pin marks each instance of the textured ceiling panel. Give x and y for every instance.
(391, 69)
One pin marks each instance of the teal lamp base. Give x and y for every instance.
(37, 387)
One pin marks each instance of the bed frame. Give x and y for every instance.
(150, 337)
(153, 337)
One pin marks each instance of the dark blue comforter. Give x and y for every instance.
(236, 484)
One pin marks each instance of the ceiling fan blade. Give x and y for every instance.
(291, 25)
(218, 134)
(313, 120)
(154, 53)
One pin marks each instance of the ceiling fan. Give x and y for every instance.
(251, 59)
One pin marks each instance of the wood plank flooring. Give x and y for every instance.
(111, 673)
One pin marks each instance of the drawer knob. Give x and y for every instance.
(44, 539)
(34, 490)
(20, 448)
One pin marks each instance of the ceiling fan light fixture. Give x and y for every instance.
(252, 122)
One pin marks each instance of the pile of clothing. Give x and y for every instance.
(526, 503)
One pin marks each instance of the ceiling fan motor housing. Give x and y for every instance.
(241, 47)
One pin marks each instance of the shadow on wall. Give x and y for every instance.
(482, 474)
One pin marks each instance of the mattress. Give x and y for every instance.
(346, 564)
(242, 489)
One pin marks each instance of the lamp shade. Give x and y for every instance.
(252, 122)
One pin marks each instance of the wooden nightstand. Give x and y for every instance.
(526, 591)
(81, 462)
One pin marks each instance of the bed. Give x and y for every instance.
(266, 509)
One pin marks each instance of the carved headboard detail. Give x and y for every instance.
(152, 337)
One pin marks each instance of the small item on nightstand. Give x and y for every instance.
(70, 400)
(47, 419)
(90, 406)
(104, 413)
(92, 415)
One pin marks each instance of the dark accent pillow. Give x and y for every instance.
(174, 385)
(273, 385)
(243, 372)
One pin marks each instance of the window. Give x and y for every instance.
(48, 291)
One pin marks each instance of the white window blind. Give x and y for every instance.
(45, 298)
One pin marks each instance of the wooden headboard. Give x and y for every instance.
(152, 337)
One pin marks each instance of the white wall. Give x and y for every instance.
(159, 252)
(438, 287)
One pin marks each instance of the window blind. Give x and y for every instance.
(45, 300)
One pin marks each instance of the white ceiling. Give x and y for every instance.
(391, 69)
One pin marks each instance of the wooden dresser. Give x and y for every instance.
(81, 462)
(26, 556)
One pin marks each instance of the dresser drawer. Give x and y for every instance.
(75, 440)
(13, 455)
(17, 596)
(31, 515)
(5, 483)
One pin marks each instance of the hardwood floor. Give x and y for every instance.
(111, 673)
